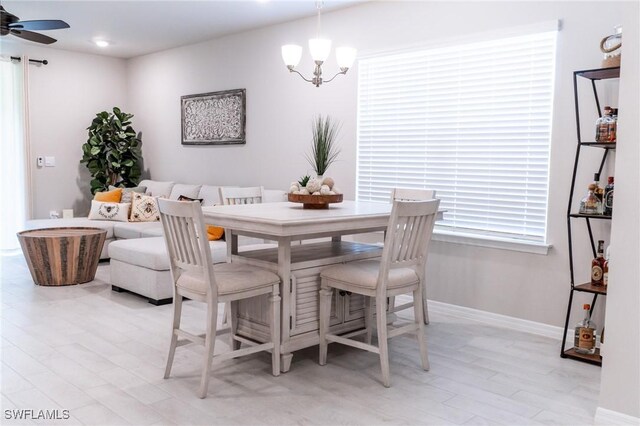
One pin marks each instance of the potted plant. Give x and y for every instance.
(112, 152)
(324, 149)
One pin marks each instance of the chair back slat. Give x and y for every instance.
(183, 226)
(408, 235)
(248, 195)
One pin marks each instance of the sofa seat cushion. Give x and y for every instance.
(151, 252)
(137, 230)
(72, 222)
(231, 278)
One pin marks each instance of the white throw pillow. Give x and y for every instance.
(101, 210)
(144, 208)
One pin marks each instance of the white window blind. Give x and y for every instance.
(471, 121)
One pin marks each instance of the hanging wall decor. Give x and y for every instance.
(216, 118)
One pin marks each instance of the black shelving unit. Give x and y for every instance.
(592, 75)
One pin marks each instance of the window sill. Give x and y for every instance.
(491, 242)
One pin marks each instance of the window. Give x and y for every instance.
(13, 152)
(472, 121)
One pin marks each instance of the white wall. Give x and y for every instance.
(620, 386)
(64, 96)
(280, 107)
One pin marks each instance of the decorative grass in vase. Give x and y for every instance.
(324, 149)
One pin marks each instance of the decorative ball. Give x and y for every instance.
(331, 193)
(316, 193)
(324, 190)
(314, 185)
(336, 190)
(329, 182)
(294, 183)
(296, 192)
(293, 189)
(304, 191)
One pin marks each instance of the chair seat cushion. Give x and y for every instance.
(365, 274)
(231, 278)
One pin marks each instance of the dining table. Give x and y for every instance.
(304, 241)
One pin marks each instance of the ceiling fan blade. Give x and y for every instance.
(39, 25)
(28, 35)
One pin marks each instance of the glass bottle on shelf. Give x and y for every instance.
(597, 266)
(602, 125)
(605, 268)
(590, 204)
(613, 126)
(598, 190)
(585, 333)
(608, 197)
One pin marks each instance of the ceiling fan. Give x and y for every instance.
(11, 24)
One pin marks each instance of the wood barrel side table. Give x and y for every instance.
(62, 256)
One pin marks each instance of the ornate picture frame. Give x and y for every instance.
(215, 118)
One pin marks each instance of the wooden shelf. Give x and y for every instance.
(603, 145)
(594, 359)
(600, 73)
(591, 216)
(590, 288)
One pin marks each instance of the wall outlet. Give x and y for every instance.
(40, 161)
(53, 214)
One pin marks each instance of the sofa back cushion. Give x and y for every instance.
(157, 188)
(179, 189)
(210, 195)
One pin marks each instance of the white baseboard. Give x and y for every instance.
(609, 417)
(496, 319)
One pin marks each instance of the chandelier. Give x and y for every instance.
(320, 48)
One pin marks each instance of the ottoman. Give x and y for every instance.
(141, 266)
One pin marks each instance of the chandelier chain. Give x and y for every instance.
(319, 5)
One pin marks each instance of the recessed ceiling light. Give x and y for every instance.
(101, 43)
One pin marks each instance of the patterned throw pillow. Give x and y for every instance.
(144, 208)
(127, 192)
(109, 211)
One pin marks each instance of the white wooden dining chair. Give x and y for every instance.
(196, 277)
(400, 270)
(410, 194)
(234, 195)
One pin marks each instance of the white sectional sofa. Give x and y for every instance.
(139, 262)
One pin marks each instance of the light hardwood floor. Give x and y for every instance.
(101, 355)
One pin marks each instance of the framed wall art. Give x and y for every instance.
(216, 118)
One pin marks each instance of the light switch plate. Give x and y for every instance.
(49, 161)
